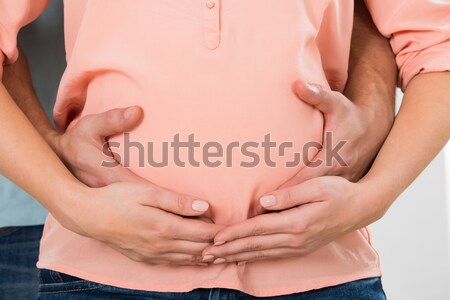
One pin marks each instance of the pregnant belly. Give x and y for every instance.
(216, 137)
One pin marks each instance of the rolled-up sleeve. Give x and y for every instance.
(419, 32)
(14, 14)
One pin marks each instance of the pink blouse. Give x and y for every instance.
(221, 70)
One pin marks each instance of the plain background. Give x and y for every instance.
(413, 238)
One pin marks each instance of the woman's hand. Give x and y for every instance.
(305, 217)
(145, 223)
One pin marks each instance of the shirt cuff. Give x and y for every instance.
(433, 59)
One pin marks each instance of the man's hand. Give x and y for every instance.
(363, 117)
(82, 146)
(305, 218)
(349, 130)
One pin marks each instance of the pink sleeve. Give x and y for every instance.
(14, 14)
(419, 31)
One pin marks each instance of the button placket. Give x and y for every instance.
(211, 35)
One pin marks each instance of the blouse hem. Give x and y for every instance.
(305, 285)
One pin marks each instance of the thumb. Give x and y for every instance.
(315, 95)
(112, 122)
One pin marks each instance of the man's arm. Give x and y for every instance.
(372, 72)
(17, 81)
(371, 87)
(363, 116)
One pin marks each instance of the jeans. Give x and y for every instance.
(19, 251)
(59, 286)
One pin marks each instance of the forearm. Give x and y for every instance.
(27, 160)
(18, 83)
(420, 131)
(372, 69)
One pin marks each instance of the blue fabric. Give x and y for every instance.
(59, 286)
(17, 208)
(19, 250)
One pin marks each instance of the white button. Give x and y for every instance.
(210, 4)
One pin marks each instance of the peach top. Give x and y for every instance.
(222, 70)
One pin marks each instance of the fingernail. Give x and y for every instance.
(199, 205)
(312, 87)
(219, 243)
(267, 201)
(208, 258)
(128, 112)
(219, 261)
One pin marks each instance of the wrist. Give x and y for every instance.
(69, 205)
(378, 196)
